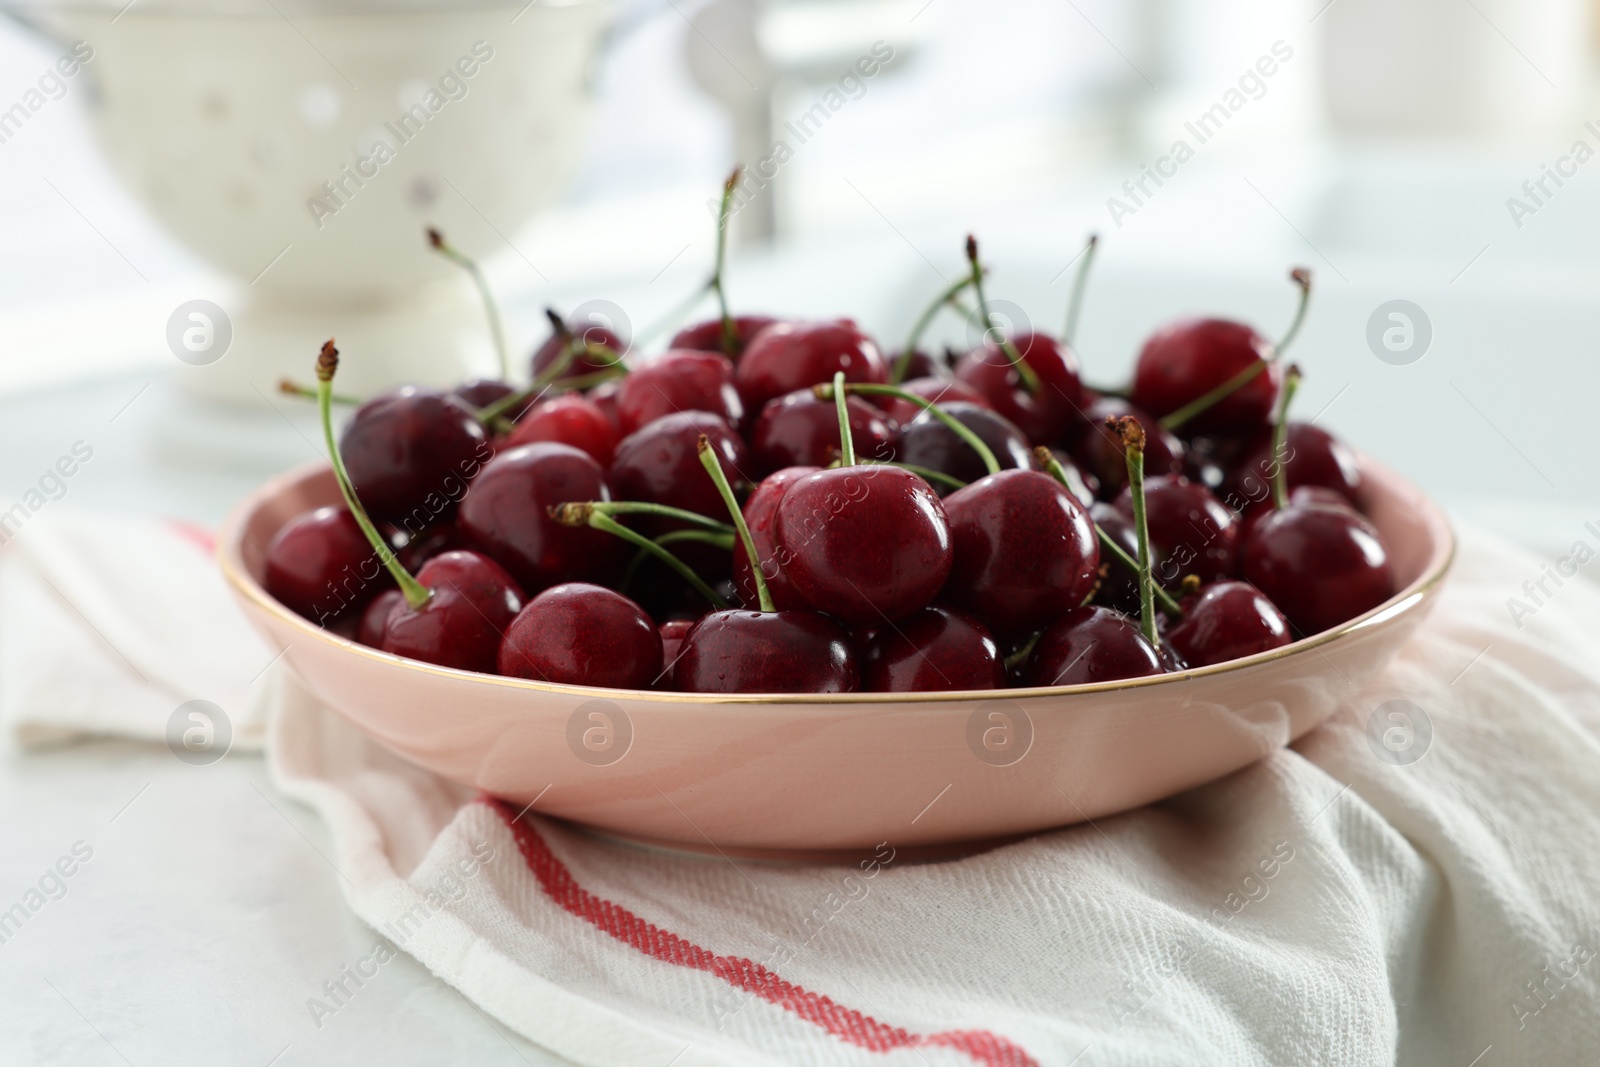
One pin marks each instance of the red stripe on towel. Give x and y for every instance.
(845, 1023)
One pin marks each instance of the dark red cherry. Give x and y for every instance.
(1191, 531)
(604, 397)
(1091, 644)
(319, 564)
(1184, 361)
(507, 515)
(927, 442)
(937, 649)
(659, 463)
(761, 514)
(1227, 620)
(460, 626)
(1305, 495)
(1085, 487)
(672, 632)
(799, 430)
(415, 549)
(766, 652)
(867, 544)
(411, 453)
(1098, 449)
(571, 419)
(592, 332)
(921, 365)
(1044, 416)
(375, 617)
(1313, 457)
(1119, 587)
(795, 355)
(939, 390)
(1025, 550)
(1321, 566)
(707, 336)
(581, 634)
(678, 381)
(481, 392)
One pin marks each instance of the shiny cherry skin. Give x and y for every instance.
(927, 442)
(581, 634)
(506, 515)
(411, 452)
(921, 365)
(571, 419)
(1119, 585)
(1085, 487)
(604, 397)
(1046, 416)
(1313, 457)
(460, 626)
(866, 544)
(319, 565)
(707, 336)
(672, 632)
(678, 381)
(937, 649)
(583, 363)
(1227, 620)
(799, 430)
(1187, 359)
(795, 355)
(1025, 550)
(760, 515)
(741, 651)
(660, 463)
(1099, 450)
(1091, 644)
(1321, 566)
(1191, 531)
(481, 392)
(375, 616)
(1305, 494)
(939, 390)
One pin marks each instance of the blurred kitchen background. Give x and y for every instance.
(1435, 152)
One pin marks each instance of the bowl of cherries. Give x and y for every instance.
(772, 591)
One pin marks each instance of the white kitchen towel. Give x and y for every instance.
(108, 625)
(1414, 883)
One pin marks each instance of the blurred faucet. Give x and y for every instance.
(743, 53)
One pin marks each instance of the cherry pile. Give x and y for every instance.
(779, 506)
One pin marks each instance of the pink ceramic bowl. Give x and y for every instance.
(821, 776)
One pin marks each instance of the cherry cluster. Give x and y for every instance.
(777, 506)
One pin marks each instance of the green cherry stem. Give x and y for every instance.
(578, 514)
(1301, 278)
(712, 284)
(465, 262)
(1164, 600)
(1079, 281)
(289, 387)
(552, 374)
(708, 460)
(955, 425)
(415, 592)
(1025, 374)
(945, 299)
(1280, 439)
(841, 406)
(728, 339)
(591, 516)
(1133, 444)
